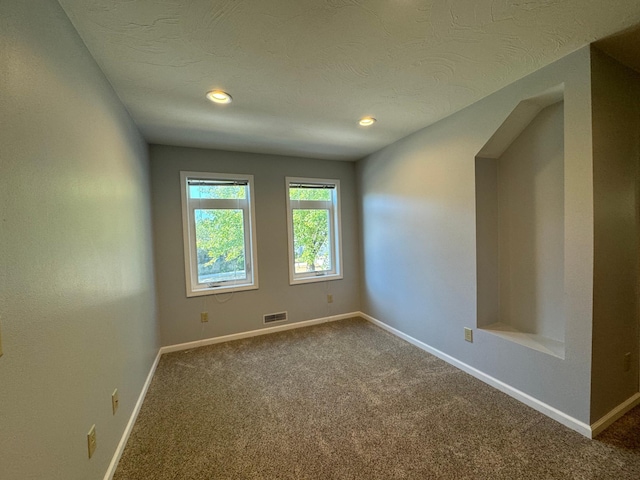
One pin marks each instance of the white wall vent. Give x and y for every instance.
(275, 317)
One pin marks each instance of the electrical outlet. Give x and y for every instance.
(627, 361)
(468, 334)
(91, 440)
(329, 298)
(115, 401)
(204, 317)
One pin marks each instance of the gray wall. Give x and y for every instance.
(616, 152)
(520, 230)
(487, 242)
(178, 315)
(531, 226)
(76, 277)
(419, 248)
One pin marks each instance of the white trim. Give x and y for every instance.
(334, 208)
(254, 333)
(525, 398)
(132, 420)
(247, 205)
(321, 277)
(604, 422)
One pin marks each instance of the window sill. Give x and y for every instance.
(221, 289)
(318, 278)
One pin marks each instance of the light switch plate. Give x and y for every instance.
(91, 440)
(468, 334)
(115, 401)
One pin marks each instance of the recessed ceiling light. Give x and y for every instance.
(218, 96)
(367, 121)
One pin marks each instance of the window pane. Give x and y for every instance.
(312, 250)
(220, 245)
(323, 194)
(218, 191)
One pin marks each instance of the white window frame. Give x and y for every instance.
(189, 234)
(335, 229)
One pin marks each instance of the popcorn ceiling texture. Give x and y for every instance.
(346, 400)
(303, 71)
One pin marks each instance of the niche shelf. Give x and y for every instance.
(520, 226)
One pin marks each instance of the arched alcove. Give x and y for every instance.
(520, 226)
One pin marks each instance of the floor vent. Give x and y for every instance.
(275, 317)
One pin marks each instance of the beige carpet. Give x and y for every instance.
(347, 400)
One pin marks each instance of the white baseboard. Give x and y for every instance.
(132, 420)
(527, 399)
(604, 422)
(255, 333)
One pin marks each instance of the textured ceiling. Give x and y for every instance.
(301, 72)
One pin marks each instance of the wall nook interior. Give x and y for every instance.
(520, 226)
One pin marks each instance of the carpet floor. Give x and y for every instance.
(347, 400)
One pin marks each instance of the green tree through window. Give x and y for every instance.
(220, 243)
(313, 226)
(311, 231)
(219, 232)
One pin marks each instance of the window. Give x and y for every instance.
(219, 233)
(313, 220)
